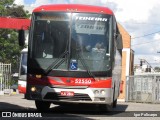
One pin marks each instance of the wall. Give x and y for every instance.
(127, 59)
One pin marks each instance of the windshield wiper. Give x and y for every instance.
(56, 63)
(85, 65)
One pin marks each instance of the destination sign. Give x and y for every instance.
(92, 18)
(52, 18)
(90, 28)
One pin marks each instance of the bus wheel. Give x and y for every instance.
(42, 105)
(114, 103)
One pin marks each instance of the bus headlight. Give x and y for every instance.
(102, 92)
(33, 89)
(96, 92)
(99, 92)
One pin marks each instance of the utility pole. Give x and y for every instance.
(145, 61)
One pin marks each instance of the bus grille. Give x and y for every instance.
(76, 97)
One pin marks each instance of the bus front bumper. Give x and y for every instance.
(80, 95)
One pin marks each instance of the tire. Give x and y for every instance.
(115, 103)
(42, 106)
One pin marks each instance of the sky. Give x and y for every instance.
(140, 18)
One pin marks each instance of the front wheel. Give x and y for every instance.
(42, 105)
(115, 103)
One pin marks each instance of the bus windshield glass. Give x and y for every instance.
(23, 70)
(86, 38)
(90, 41)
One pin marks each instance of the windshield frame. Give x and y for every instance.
(31, 69)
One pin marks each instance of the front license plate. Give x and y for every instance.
(67, 93)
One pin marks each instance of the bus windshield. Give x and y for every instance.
(23, 70)
(86, 38)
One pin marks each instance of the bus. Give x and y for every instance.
(74, 56)
(23, 71)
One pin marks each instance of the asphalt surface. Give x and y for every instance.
(20, 108)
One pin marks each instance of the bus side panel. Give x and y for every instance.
(116, 74)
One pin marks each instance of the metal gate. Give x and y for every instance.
(5, 78)
(143, 88)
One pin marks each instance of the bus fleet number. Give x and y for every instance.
(83, 81)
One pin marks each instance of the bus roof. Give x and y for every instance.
(74, 8)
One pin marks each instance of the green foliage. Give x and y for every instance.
(17, 11)
(9, 48)
(3, 6)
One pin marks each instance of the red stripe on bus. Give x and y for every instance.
(102, 84)
(106, 83)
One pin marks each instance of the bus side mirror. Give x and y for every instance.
(21, 37)
(119, 42)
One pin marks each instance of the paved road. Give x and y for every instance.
(17, 103)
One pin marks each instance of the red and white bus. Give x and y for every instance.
(74, 56)
(23, 71)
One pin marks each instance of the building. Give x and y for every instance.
(145, 69)
(127, 60)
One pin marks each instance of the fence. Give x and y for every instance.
(5, 78)
(143, 88)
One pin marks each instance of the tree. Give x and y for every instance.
(157, 69)
(9, 48)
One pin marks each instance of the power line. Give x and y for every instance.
(146, 35)
(140, 23)
(145, 42)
